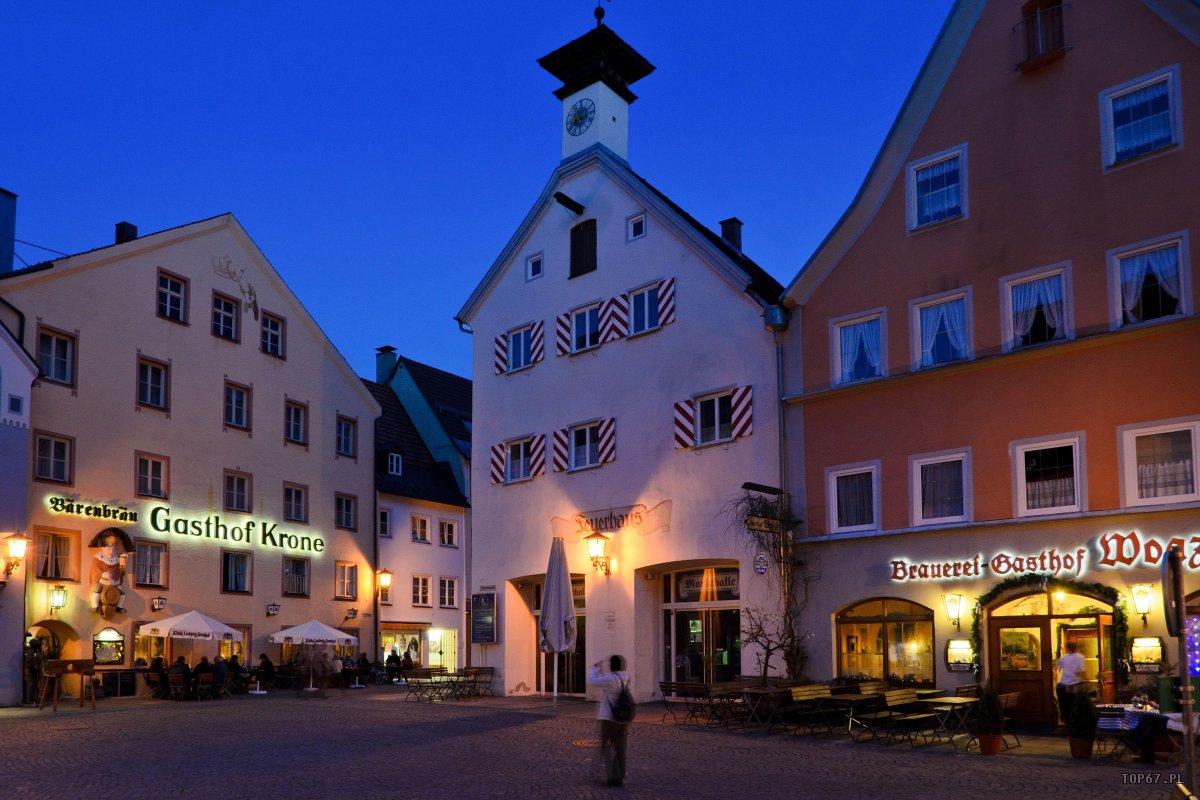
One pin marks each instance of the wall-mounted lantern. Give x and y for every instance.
(1141, 599)
(158, 603)
(272, 609)
(16, 552)
(954, 609)
(597, 542)
(58, 598)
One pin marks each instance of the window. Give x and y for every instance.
(54, 458)
(395, 463)
(346, 581)
(853, 498)
(715, 418)
(420, 590)
(1159, 463)
(533, 267)
(518, 466)
(237, 491)
(295, 503)
(225, 317)
(886, 637)
(448, 592)
(295, 422)
(937, 188)
(1047, 478)
(172, 297)
(237, 406)
(420, 528)
(295, 576)
(1141, 117)
(447, 533)
(150, 564)
(520, 348)
(56, 555)
(346, 437)
(1148, 281)
(56, 356)
(345, 512)
(235, 572)
(583, 248)
(16, 404)
(383, 527)
(1036, 309)
(941, 333)
(151, 475)
(859, 349)
(153, 384)
(939, 487)
(272, 335)
(643, 310)
(585, 446)
(1042, 31)
(635, 227)
(585, 328)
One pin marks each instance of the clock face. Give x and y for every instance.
(580, 117)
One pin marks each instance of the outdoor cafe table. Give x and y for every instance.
(953, 714)
(764, 703)
(848, 702)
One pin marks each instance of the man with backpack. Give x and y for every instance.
(615, 712)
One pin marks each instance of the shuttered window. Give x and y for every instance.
(583, 248)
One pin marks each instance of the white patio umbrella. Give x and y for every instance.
(191, 625)
(556, 629)
(312, 632)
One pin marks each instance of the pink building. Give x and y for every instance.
(996, 372)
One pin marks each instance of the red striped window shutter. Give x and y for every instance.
(536, 337)
(685, 424)
(502, 354)
(537, 456)
(608, 440)
(614, 318)
(562, 334)
(742, 403)
(498, 463)
(559, 449)
(666, 301)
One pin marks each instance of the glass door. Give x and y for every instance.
(707, 645)
(572, 666)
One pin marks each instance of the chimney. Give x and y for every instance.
(127, 232)
(385, 363)
(8, 229)
(731, 231)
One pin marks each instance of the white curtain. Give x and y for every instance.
(954, 315)
(855, 500)
(1165, 466)
(1050, 493)
(1027, 297)
(941, 490)
(852, 337)
(1163, 264)
(938, 191)
(1138, 126)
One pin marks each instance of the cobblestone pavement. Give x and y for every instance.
(372, 744)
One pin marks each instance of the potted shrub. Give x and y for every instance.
(989, 720)
(1081, 726)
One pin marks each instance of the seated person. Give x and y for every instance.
(392, 665)
(220, 670)
(266, 670)
(407, 663)
(162, 688)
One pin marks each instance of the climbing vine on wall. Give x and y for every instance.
(1046, 582)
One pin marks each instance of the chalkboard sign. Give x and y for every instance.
(483, 618)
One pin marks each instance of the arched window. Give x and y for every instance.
(886, 637)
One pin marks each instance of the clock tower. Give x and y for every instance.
(596, 70)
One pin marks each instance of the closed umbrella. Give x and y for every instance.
(557, 625)
(315, 633)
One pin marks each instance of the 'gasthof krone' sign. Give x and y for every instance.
(1113, 550)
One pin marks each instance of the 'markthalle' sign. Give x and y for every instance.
(1113, 550)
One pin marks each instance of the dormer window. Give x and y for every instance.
(533, 267)
(395, 464)
(583, 248)
(1042, 32)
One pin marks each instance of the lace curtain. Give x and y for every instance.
(1141, 120)
(953, 315)
(938, 191)
(1165, 465)
(855, 338)
(1045, 293)
(1162, 264)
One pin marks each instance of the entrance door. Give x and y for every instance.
(707, 646)
(571, 666)
(1022, 661)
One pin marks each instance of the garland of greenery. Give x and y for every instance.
(1109, 594)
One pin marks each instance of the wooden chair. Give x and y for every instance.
(807, 709)
(898, 717)
(178, 687)
(226, 689)
(204, 685)
(968, 690)
(1008, 702)
(483, 680)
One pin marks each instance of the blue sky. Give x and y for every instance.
(381, 154)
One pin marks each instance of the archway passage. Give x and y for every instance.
(1027, 633)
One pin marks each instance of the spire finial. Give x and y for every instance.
(599, 13)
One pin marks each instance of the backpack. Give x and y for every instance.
(623, 708)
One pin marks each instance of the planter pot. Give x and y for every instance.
(1080, 748)
(990, 743)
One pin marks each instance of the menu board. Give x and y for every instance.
(483, 618)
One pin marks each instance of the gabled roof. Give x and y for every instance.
(420, 476)
(102, 256)
(734, 266)
(1183, 15)
(449, 396)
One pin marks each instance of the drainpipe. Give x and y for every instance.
(775, 320)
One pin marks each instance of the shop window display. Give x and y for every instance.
(886, 638)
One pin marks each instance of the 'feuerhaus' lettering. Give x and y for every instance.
(261, 532)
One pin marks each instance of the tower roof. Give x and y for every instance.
(597, 56)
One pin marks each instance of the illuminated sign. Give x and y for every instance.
(260, 532)
(65, 505)
(1113, 550)
(637, 518)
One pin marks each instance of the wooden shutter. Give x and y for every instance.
(685, 424)
(502, 354)
(742, 406)
(583, 248)
(562, 334)
(536, 337)
(559, 449)
(537, 456)
(608, 440)
(614, 318)
(666, 301)
(498, 455)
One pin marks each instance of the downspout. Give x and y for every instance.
(775, 320)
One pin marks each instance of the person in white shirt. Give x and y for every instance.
(1070, 679)
(613, 735)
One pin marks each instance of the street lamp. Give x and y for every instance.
(596, 543)
(16, 552)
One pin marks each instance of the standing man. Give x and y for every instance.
(613, 734)
(1070, 679)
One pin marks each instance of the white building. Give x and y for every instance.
(619, 358)
(422, 522)
(190, 408)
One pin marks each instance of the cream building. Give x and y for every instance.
(193, 417)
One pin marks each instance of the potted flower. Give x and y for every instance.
(1081, 726)
(989, 720)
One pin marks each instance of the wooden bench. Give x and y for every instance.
(873, 687)
(806, 710)
(897, 717)
(968, 690)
